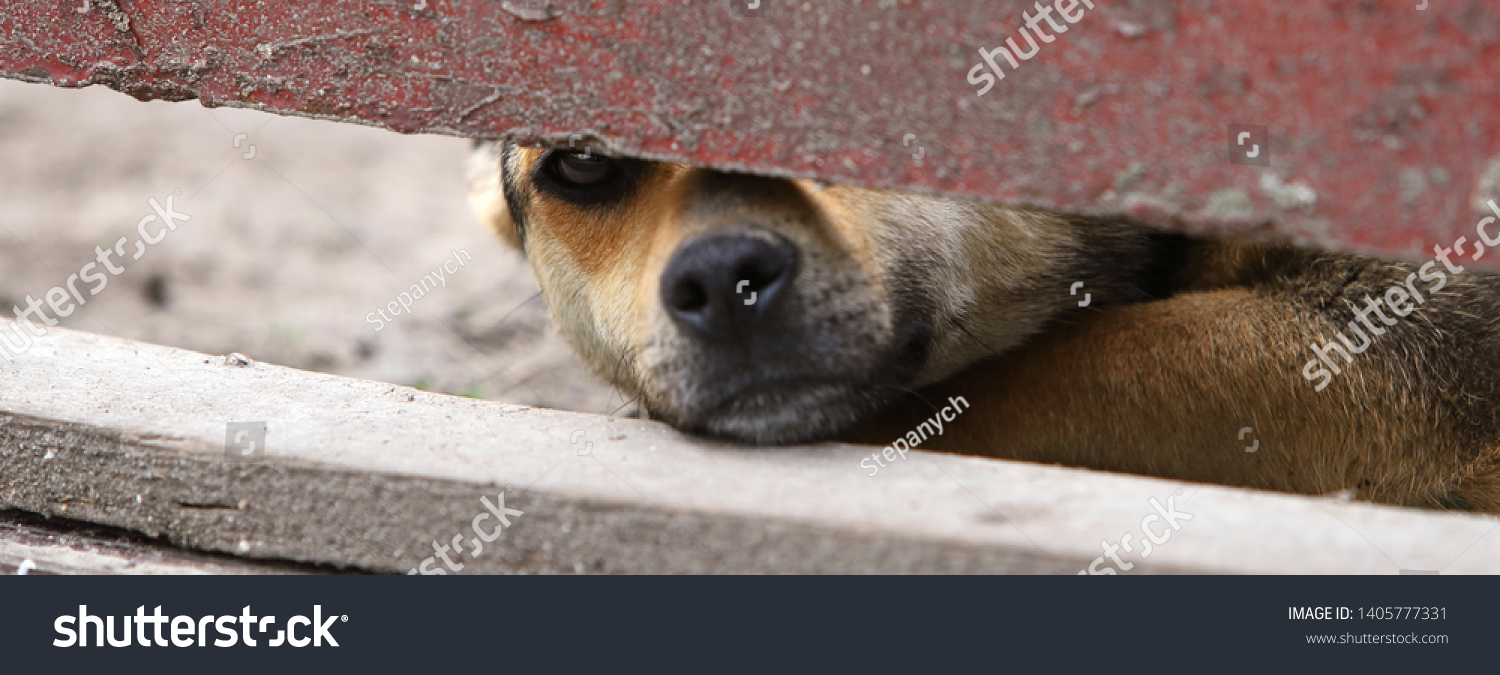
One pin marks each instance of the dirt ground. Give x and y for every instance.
(294, 238)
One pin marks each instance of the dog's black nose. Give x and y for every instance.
(725, 284)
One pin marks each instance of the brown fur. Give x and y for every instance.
(903, 301)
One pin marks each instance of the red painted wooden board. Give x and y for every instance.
(1382, 120)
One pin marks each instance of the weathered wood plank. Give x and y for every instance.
(368, 476)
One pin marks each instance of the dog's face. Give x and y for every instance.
(757, 309)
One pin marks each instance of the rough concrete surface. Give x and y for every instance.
(371, 476)
(285, 253)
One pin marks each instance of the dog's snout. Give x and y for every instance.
(727, 284)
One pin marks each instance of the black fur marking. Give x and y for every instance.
(513, 196)
(914, 312)
(1162, 275)
(1129, 264)
(604, 195)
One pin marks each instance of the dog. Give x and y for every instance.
(780, 311)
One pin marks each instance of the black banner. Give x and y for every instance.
(717, 624)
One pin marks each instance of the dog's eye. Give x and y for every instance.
(581, 169)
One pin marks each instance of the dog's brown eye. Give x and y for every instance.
(578, 169)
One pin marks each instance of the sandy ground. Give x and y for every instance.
(286, 253)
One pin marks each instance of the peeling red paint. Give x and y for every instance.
(1389, 115)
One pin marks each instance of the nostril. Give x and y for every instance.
(759, 272)
(687, 295)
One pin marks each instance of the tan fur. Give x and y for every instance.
(1164, 389)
